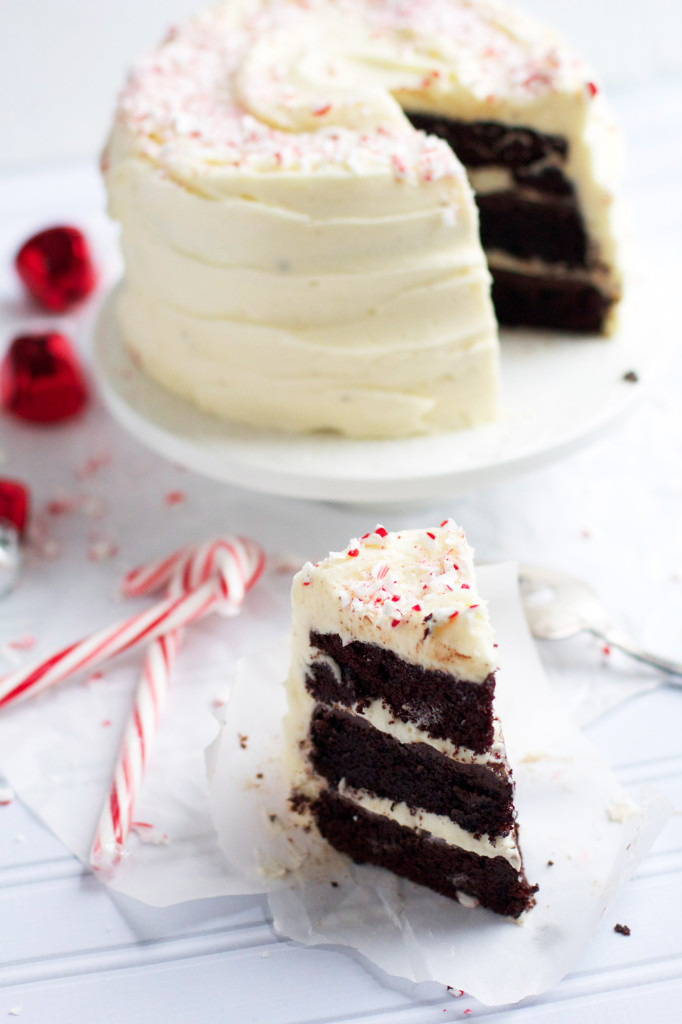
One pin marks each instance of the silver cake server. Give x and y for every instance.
(558, 606)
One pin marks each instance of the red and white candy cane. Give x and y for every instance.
(165, 617)
(231, 566)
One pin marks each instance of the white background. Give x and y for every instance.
(62, 62)
(69, 953)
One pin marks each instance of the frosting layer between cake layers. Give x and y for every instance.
(297, 254)
(394, 749)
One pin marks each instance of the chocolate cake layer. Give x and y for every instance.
(551, 231)
(371, 838)
(477, 797)
(548, 181)
(543, 301)
(444, 706)
(490, 144)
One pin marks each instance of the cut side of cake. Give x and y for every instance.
(546, 270)
(395, 752)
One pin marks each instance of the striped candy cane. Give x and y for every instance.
(164, 617)
(228, 565)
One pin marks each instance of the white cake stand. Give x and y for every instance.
(559, 392)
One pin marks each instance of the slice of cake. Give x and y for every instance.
(396, 754)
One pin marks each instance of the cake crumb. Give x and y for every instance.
(15, 1011)
(243, 740)
(550, 863)
(621, 810)
(631, 377)
(622, 929)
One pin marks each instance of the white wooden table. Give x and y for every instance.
(70, 952)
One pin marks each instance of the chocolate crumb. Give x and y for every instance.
(259, 775)
(631, 377)
(334, 885)
(622, 929)
(550, 863)
(299, 803)
(243, 740)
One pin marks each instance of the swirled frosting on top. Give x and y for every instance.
(282, 85)
(298, 255)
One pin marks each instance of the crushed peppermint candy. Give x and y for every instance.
(22, 643)
(101, 549)
(93, 465)
(6, 795)
(175, 498)
(64, 503)
(149, 834)
(208, 98)
(429, 584)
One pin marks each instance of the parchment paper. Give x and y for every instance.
(58, 751)
(572, 812)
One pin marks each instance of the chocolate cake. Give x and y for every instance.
(300, 188)
(546, 271)
(396, 754)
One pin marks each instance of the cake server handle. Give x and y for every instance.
(616, 638)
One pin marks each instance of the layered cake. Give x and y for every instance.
(301, 240)
(395, 751)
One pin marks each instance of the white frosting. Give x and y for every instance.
(382, 718)
(298, 256)
(412, 592)
(437, 825)
(537, 268)
(484, 180)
